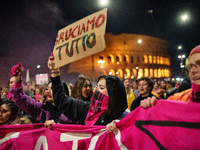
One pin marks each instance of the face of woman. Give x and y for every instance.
(49, 93)
(5, 113)
(144, 88)
(126, 83)
(162, 84)
(101, 86)
(12, 81)
(86, 89)
(155, 86)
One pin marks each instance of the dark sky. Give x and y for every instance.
(29, 27)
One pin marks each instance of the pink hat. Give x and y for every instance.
(15, 69)
(195, 50)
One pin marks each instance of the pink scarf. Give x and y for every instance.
(98, 105)
(195, 95)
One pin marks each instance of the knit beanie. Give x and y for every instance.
(195, 50)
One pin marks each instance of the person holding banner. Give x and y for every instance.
(38, 111)
(189, 95)
(108, 101)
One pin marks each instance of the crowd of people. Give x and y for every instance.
(81, 103)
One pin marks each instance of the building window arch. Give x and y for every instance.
(138, 59)
(145, 59)
(154, 59)
(119, 73)
(127, 73)
(132, 59)
(158, 60)
(110, 59)
(150, 59)
(146, 72)
(155, 73)
(150, 73)
(159, 73)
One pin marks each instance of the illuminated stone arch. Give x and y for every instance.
(164, 61)
(159, 73)
(168, 72)
(127, 58)
(161, 60)
(155, 73)
(154, 59)
(150, 59)
(134, 73)
(111, 59)
(127, 73)
(140, 73)
(158, 60)
(151, 73)
(146, 72)
(118, 59)
(163, 73)
(119, 73)
(145, 59)
(111, 72)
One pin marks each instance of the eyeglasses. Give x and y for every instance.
(189, 67)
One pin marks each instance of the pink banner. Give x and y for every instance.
(168, 125)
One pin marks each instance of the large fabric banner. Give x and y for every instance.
(168, 125)
(80, 39)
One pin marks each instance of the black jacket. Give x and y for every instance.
(75, 110)
(136, 102)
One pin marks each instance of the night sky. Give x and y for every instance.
(29, 27)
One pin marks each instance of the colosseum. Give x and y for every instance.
(127, 56)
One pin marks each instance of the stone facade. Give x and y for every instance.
(127, 56)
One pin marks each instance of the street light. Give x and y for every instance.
(38, 66)
(101, 62)
(103, 2)
(181, 57)
(179, 47)
(139, 41)
(184, 17)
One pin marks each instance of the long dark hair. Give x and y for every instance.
(117, 97)
(77, 90)
(15, 112)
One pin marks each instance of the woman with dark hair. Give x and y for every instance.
(108, 101)
(9, 113)
(82, 89)
(145, 87)
(38, 111)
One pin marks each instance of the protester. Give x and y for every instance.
(12, 82)
(108, 101)
(158, 92)
(189, 95)
(82, 89)
(145, 87)
(185, 84)
(170, 89)
(9, 113)
(4, 93)
(38, 94)
(39, 111)
(127, 88)
(163, 84)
